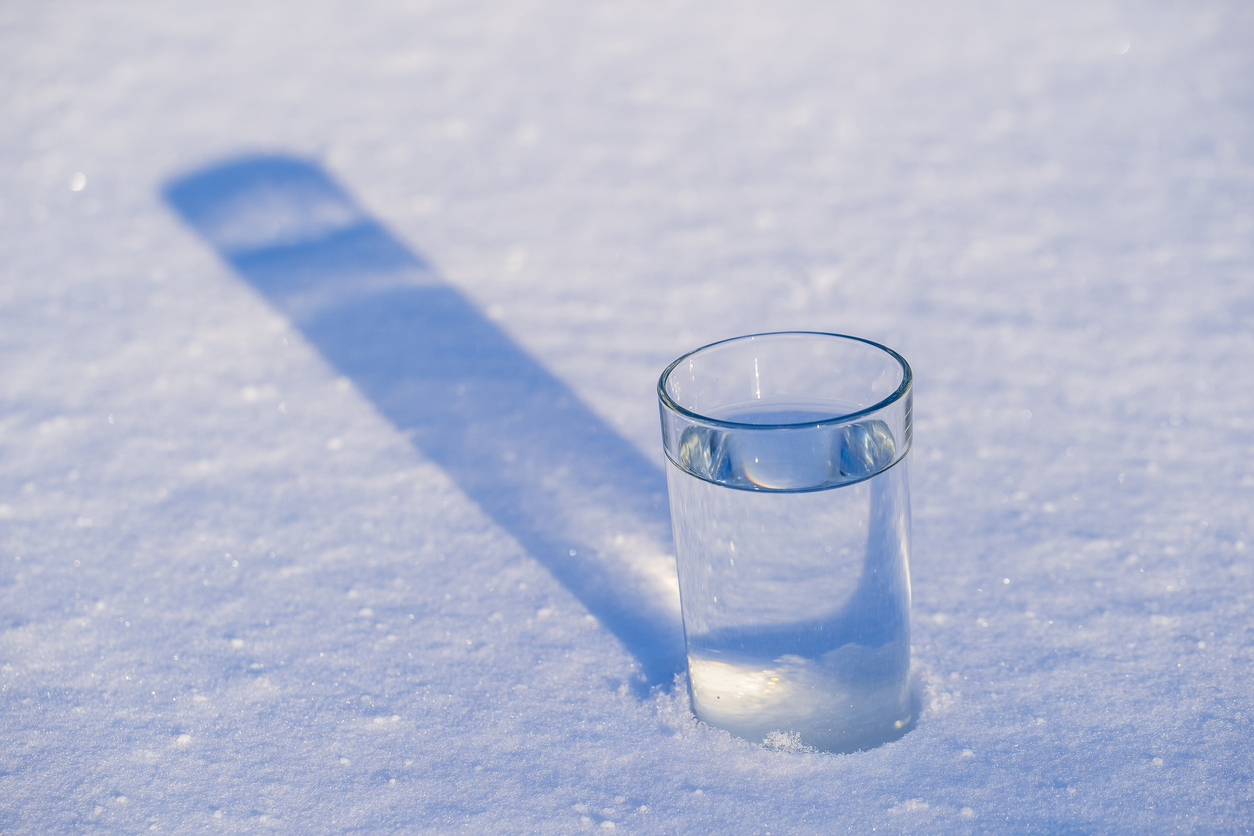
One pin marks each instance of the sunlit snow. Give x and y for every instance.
(331, 487)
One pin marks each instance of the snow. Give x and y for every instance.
(264, 568)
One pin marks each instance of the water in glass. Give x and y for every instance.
(794, 579)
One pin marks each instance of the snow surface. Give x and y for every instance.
(265, 567)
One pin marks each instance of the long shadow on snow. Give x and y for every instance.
(517, 441)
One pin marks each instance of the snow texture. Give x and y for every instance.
(331, 491)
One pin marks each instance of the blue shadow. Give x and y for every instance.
(515, 439)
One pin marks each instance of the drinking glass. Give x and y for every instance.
(789, 491)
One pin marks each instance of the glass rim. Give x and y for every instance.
(900, 392)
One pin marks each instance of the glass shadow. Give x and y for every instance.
(581, 499)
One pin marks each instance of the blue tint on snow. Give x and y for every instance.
(514, 437)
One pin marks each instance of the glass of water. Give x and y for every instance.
(790, 505)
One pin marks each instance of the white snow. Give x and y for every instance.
(250, 582)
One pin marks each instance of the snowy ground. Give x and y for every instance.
(261, 569)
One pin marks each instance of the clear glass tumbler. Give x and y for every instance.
(790, 505)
